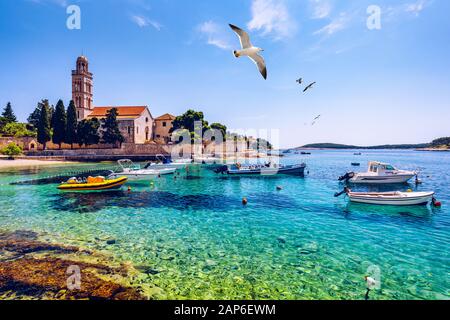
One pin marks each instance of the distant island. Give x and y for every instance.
(441, 144)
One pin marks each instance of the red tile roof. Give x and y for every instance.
(124, 111)
(166, 116)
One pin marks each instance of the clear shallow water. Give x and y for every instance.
(298, 243)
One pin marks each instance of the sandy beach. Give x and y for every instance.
(20, 163)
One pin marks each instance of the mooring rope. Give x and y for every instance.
(65, 176)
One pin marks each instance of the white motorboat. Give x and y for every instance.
(395, 198)
(163, 163)
(134, 171)
(379, 173)
(208, 159)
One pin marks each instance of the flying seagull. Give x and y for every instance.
(315, 119)
(299, 81)
(249, 50)
(309, 86)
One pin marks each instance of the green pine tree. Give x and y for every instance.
(44, 130)
(110, 126)
(59, 124)
(71, 126)
(34, 117)
(8, 114)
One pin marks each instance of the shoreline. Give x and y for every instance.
(370, 149)
(23, 163)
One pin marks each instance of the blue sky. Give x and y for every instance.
(373, 86)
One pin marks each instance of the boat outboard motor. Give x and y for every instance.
(347, 176)
(222, 169)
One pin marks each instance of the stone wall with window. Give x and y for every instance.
(162, 131)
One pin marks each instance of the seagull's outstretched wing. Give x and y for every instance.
(243, 37)
(309, 87)
(260, 63)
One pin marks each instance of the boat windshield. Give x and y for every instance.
(390, 168)
(128, 165)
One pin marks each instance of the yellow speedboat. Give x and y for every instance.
(93, 184)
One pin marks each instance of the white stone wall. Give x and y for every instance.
(143, 128)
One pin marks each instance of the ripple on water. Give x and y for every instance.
(192, 237)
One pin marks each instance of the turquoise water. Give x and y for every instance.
(200, 242)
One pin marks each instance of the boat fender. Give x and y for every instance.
(244, 201)
(436, 203)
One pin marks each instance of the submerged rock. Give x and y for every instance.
(42, 277)
(308, 249)
(147, 270)
(33, 269)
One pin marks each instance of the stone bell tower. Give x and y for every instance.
(82, 86)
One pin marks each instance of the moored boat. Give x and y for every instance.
(379, 173)
(395, 198)
(270, 169)
(93, 184)
(134, 172)
(163, 162)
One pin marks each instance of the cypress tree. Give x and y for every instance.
(71, 127)
(88, 132)
(110, 126)
(92, 135)
(8, 114)
(59, 124)
(44, 130)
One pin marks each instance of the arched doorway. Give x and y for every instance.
(32, 146)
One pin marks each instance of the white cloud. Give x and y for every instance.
(337, 24)
(417, 7)
(144, 22)
(272, 17)
(214, 34)
(412, 8)
(321, 8)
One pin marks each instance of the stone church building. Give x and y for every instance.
(136, 123)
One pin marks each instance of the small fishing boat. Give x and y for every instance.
(379, 173)
(269, 169)
(396, 198)
(356, 164)
(134, 171)
(92, 184)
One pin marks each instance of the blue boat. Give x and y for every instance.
(237, 169)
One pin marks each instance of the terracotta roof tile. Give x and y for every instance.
(124, 111)
(166, 116)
